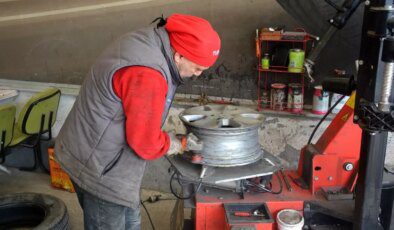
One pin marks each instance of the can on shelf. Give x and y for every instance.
(295, 98)
(278, 96)
(320, 101)
(296, 60)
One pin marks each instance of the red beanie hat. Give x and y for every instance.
(194, 38)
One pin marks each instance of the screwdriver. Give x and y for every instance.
(247, 214)
(242, 214)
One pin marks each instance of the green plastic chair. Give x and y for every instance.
(35, 119)
(7, 119)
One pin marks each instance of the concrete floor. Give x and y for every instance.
(20, 181)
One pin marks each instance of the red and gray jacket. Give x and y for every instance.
(91, 146)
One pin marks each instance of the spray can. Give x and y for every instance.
(295, 98)
(277, 96)
(265, 62)
(320, 101)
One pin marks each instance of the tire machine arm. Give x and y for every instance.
(344, 12)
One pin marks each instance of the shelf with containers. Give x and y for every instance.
(280, 69)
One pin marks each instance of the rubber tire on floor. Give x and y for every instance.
(47, 211)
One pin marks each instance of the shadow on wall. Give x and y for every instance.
(58, 42)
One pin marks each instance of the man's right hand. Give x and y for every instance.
(176, 146)
(180, 143)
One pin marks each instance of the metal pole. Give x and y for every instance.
(368, 189)
(374, 83)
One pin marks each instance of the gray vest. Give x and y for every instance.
(91, 146)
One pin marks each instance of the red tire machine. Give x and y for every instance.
(324, 176)
(340, 182)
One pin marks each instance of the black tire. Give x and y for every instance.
(32, 210)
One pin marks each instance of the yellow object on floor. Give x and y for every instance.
(59, 178)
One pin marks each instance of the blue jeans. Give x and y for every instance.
(100, 214)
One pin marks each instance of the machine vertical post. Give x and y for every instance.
(373, 111)
(369, 186)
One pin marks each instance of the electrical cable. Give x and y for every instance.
(156, 198)
(165, 199)
(147, 213)
(323, 118)
(179, 197)
(152, 199)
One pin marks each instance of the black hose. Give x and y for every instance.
(262, 189)
(280, 184)
(147, 213)
(179, 197)
(323, 118)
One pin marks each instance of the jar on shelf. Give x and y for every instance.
(265, 100)
(278, 96)
(265, 62)
(295, 98)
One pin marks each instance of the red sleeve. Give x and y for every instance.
(143, 93)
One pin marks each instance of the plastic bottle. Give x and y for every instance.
(265, 62)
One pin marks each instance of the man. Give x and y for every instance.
(115, 123)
